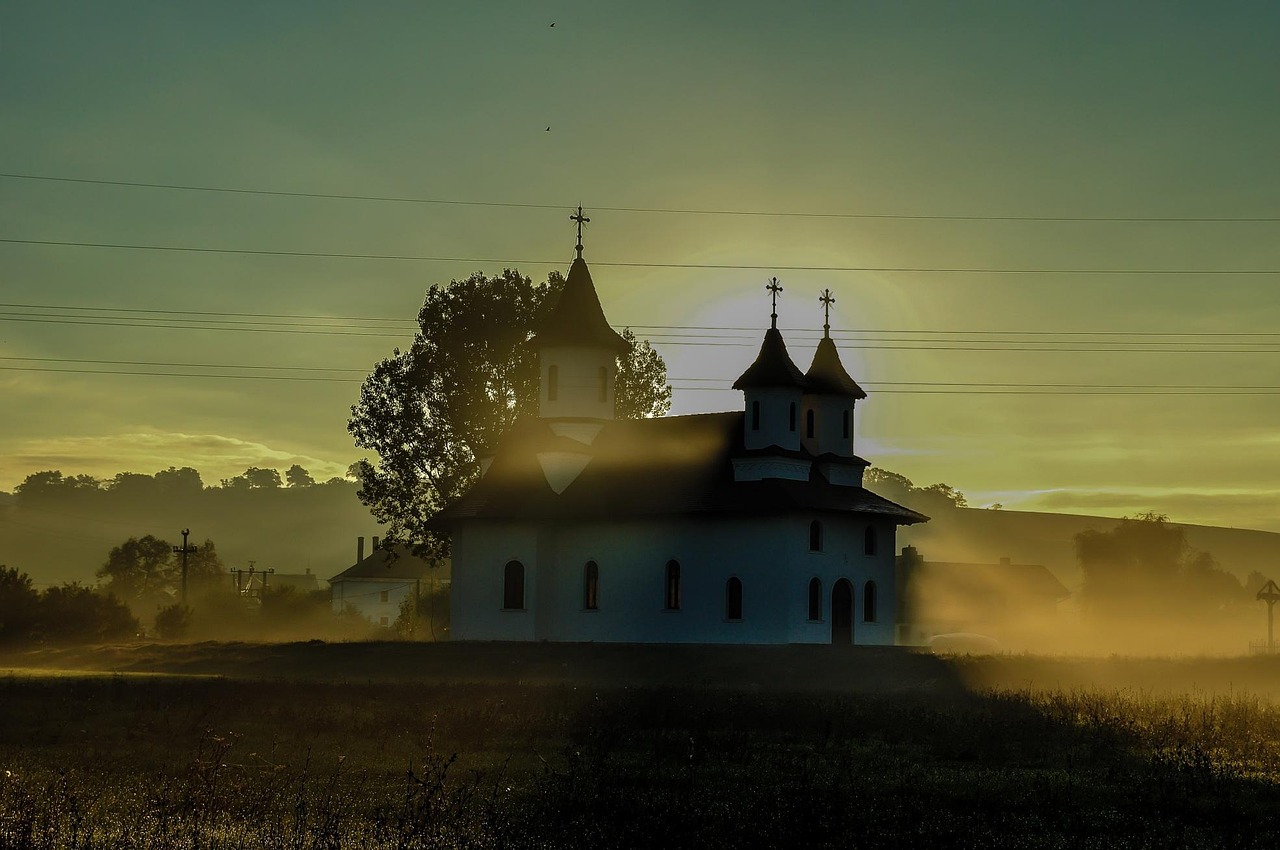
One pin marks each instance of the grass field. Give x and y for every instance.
(395, 745)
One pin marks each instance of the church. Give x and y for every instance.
(744, 527)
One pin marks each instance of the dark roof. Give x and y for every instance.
(577, 319)
(827, 375)
(773, 366)
(396, 563)
(675, 465)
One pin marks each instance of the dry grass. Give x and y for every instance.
(156, 761)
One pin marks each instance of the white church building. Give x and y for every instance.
(747, 527)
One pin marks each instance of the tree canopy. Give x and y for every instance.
(429, 412)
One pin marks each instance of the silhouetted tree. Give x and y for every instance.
(138, 567)
(74, 613)
(297, 476)
(204, 567)
(254, 478)
(429, 411)
(898, 488)
(173, 621)
(51, 484)
(19, 606)
(178, 482)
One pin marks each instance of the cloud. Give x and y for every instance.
(214, 455)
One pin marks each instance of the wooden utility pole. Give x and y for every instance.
(1270, 594)
(184, 550)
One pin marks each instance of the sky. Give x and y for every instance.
(968, 180)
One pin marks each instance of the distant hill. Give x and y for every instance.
(979, 535)
(290, 529)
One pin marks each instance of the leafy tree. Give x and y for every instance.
(19, 606)
(174, 481)
(898, 488)
(78, 614)
(204, 567)
(430, 411)
(173, 621)
(254, 478)
(51, 484)
(139, 566)
(297, 476)
(132, 485)
(428, 619)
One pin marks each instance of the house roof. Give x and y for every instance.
(399, 562)
(773, 366)
(827, 374)
(675, 465)
(578, 319)
(1013, 580)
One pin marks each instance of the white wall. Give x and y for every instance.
(775, 418)
(365, 595)
(770, 555)
(577, 383)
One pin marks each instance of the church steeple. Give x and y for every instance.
(830, 395)
(772, 387)
(577, 349)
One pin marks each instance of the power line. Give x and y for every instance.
(658, 210)
(713, 266)
(180, 365)
(413, 324)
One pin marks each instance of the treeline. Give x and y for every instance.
(68, 613)
(175, 481)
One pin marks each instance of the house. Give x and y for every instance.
(1005, 600)
(376, 585)
(749, 526)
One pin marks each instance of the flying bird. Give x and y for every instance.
(548, 129)
(553, 23)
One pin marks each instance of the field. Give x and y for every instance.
(401, 745)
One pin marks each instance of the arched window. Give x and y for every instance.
(553, 383)
(808, 423)
(672, 597)
(733, 599)
(604, 383)
(844, 424)
(791, 420)
(815, 536)
(869, 602)
(815, 599)
(513, 585)
(755, 416)
(869, 541)
(591, 586)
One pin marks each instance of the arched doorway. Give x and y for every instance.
(842, 612)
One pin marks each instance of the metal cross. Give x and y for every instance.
(827, 300)
(581, 220)
(774, 288)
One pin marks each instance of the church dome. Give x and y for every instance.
(772, 368)
(577, 320)
(826, 375)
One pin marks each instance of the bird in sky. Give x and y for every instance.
(553, 23)
(548, 129)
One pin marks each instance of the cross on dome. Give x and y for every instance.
(581, 220)
(774, 288)
(827, 300)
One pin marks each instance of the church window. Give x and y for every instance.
(384, 596)
(791, 421)
(755, 416)
(733, 599)
(591, 586)
(815, 599)
(513, 585)
(673, 586)
(815, 536)
(808, 423)
(604, 384)
(553, 383)
(844, 423)
(869, 541)
(869, 602)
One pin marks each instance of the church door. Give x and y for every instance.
(842, 612)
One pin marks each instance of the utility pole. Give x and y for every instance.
(1270, 594)
(184, 550)
(417, 601)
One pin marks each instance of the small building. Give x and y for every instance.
(251, 583)
(376, 585)
(1005, 601)
(749, 526)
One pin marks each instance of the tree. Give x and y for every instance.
(139, 566)
(78, 614)
(430, 411)
(898, 488)
(174, 481)
(173, 621)
(254, 478)
(297, 476)
(204, 567)
(19, 606)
